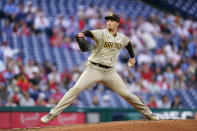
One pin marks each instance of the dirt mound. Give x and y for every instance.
(162, 125)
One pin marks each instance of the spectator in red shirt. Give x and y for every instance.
(23, 82)
(147, 73)
(2, 79)
(152, 102)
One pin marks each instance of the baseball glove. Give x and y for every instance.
(84, 45)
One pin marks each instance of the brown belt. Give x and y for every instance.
(100, 65)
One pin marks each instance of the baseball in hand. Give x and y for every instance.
(129, 64)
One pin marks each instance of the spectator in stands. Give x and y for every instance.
(191, 68)
(1, 103)
(81, 12)
(95, 102)
(30, 67)
(2, 79)
(146, 72)
(16, 95)
(192, 47)
(51, 102)
(26, 100)
(30, 16)
(57, 38)
(169, 75)
(122, 21)
(106, 102)
(152, 86)
(67, 43)
(182, 30)
(77, 103)
(179, 82)
(73, 26)
(92, 16)
(3, 93)
(91, 12)
(177, 102)
(148, 40)
(41, 100)
(23, 83)
(160, 58)
(61, 22)
(2, 63)
(172, 54)
(7, 73)
(158, 73)
(21, 28)
(10, 10)
(144, 57)
(66, 78)
(2, 14)
(152, 102)
(36, 76)
(14, 66)
(15, 28)
(75, 73)
(41, 24)
(10, 103)
(183, 46)
(54, 76)
(136, 41)
(7, 29)
(192, 82)
(30, 7)
(20, 15)
(82, 17)
(57, 94)
(47, 67)
(164, 102)
(8, 52)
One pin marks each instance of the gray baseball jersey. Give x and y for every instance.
(100, 69)
(107, 48)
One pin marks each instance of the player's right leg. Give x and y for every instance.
(87, 78)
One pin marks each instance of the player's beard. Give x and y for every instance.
(110, 29)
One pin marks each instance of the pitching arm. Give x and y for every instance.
(131, 61)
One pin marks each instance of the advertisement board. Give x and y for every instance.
(32, 119)
(4, 120)
(163, 114)
(23, 117)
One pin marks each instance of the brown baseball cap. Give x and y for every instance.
(113, 16)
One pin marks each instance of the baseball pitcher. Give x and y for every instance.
(100, 68)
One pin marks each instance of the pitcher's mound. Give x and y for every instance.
(162, 125)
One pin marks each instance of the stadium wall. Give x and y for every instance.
(27, 117)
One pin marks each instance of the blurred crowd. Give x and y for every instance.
(165, 46)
